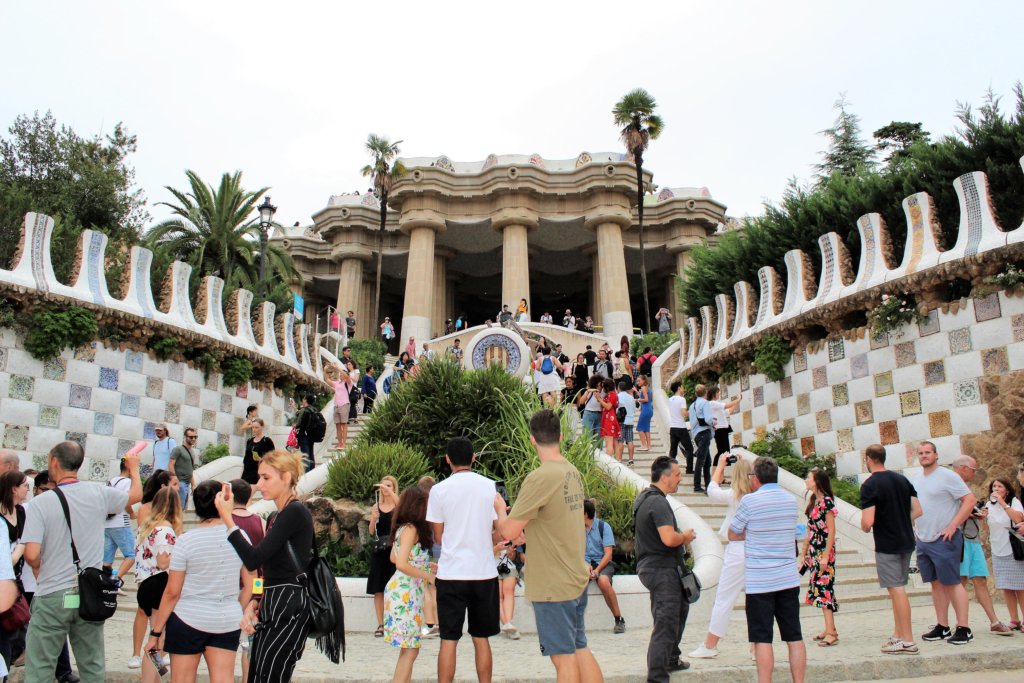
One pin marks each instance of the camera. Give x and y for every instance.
(504, 569)
(979, 507)
(731, 459)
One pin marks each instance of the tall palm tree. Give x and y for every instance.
(635, 114)
(216, 231)
(385, 170)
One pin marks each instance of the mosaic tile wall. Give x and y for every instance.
(108, 399)
(895, 391)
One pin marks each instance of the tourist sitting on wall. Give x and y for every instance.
(523, 312)
(504, 316)
(404, 365)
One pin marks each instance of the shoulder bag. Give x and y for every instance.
(687, 579)
(97, 591)
(1017, 545)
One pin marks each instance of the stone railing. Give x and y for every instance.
(280, 345)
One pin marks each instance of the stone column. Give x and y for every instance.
(439, 311)
(616, 316)
(350, 289)
(419, 280)
(595, 288)
(515, 265)
(365, 327)
(683, 259)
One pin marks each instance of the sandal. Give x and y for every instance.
(379, 633)
(829, 640)
(821, 636)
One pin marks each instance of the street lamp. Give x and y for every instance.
(267, 211)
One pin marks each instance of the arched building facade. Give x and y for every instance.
(465, 238)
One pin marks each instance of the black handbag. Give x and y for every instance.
(326, 611)
(97, 591)
(1017, 546)
(690, 582)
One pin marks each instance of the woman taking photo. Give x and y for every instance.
(201, 609)
(643, 421)
(1004, 511)
(720, 411)
(610, 427)
(155, 540)
(820, 553)
(411, 540)
(256, 446)
(590, 403)
(730, 583)
(279, 618)
(381, 566)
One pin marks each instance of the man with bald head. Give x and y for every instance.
(973, 566)
(9, 461)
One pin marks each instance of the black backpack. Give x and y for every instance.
(317, 428)
(646, 365)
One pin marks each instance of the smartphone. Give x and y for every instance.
(158, 664)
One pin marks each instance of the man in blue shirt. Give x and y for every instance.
(765, 520)
(701, 431)
(600, 543)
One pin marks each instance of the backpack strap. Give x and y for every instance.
(71, 532)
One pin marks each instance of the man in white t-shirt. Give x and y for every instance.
(627, 401)
(462, 510)
(679, 425)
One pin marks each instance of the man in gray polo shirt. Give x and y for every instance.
(48, 551)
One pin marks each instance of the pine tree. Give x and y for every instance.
(847, 154)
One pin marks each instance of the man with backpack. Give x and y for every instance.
(645, 363)
(310, 428)
(600, 544)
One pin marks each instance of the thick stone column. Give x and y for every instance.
(595, 288)
(683, 259)
(365, 327)
(515, 265)
(350, 289)
(439, 311)
(419, 281)
(616, 316)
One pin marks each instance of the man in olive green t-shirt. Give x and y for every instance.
(549, 508)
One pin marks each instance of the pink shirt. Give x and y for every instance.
(341, 389)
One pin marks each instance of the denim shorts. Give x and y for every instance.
(560, 625)
(939, 560)
(121, 539)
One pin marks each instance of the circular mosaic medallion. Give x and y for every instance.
(498, 347)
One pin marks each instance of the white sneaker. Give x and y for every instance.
(703, 652)
(135, 663)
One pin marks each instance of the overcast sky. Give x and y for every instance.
(288, 91)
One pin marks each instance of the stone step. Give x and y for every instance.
(876, 600)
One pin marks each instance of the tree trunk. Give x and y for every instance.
(643, 257)
(380, 260)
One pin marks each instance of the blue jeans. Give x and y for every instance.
(306, 448)
(592, 422)
(121, 539)
(184, 488)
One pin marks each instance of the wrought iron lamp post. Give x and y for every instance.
(267, 211)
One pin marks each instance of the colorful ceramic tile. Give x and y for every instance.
(773, 412)
(129, 405)
(80, 397)
(55, 369)
(995, 361)
(154, 387)
(213, 382)
(225, 403)
(242, 391)
(760, 432)
(807, 446)
(758, 396)
(930, 325)
(836, 350)
(859, 366)
(108, 378)
(863, 412)
(192, 396)
(748, 420)
(40, 461)
(967, 393)
(939, 424)
(987, 308)
(789, 427)
(77, 437)
(1017, 322)
(910, 403)
(799, 360)
(16, 438)
(149, 431)
(823, 421)
(98, 470)
(22, 387)
(905, 354)
(744, 382)
(878, 341)
(803, 404)
(133, 361)
(960, 340)
(122, 447)
(268, 396)
(172, 413)
(844, 439)
(883, 384)
(819, 377)
(86, 353)
(209, 420)
(103, 423)
(49, 416)
(840, 395)
(237, 426)
(176, 371)
(786, 387)
(223, 439)
(934, 373)
(888, 432)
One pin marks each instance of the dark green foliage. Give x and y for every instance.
(113, 334)
(770, 357)
(215, 451)
(846, 490)
(658, 341)
(7, 315)
(847, 154)
(776, 445)
(164, 347)
(346, 561)
(898, 137)
(353, 475)
(205, 361)
(730, 371)
(367, 352)
(49, 331)
(237, 371)
(989, 142)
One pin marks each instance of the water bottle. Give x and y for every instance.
(113, 575)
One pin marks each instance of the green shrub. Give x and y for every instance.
(344, 560)
(7, 317)
(215, 451)
(237, 371)
(658, 341)
(892, 315)
(49, 331)
(848, 491)
(207, 362)
(367, 352)
(353, 475)
(164, 347)
(771, 356)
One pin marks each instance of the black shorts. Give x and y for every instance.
(479, 598)
(182, 639)
(766, 609)
(150, 592)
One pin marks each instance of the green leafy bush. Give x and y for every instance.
(7, 316)
(215, 451)
(353, 475)
(770, 357)
(345, 561)
(49, 331)
(776, 445)
(658, 341)
(113, 334)
(846, 490)
(890, 316)
(164, 347)
(207, 362)
(367, 352)
(237, 371)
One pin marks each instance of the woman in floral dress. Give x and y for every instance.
(820, 553)
(411, 538)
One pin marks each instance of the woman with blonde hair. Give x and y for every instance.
(154, 542)
(279, 617)
(381, 566)
(731, 581)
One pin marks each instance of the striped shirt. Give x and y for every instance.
(768, 518)
(209, 596)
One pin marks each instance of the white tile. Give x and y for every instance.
(47, 392)
(1015, 352)
(760, 415)
(21, 363)
(937, 397)
(825, 443)
(106, 401)
(152, 409)
(109, 358)
(81, 372)
(906, 379)
(191, 416)
(77, 420)
(772, 393)
(881, 360)
(209, 400)
(912, 473)
(174, 392)
(895, 456)
(848, 464)
(887, 408)
(861, 389)
(155, 368)
(133, 383)
(995, 332)
(963, 365)
(99, 447)
(787, 407)
(914, 428)
(948, 447)
(193, 377)
(839, 371)
(932, 347)
(805, 426)
(821, 399)
(126, 427)
(225, 423)
(42, 439)
(843, 416)
(864, 436)
(970, 419)
(18, 412)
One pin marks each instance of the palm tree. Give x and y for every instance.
(635, 113)
(216, 231)
(384, 170)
